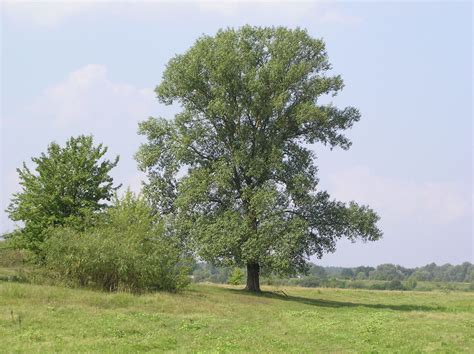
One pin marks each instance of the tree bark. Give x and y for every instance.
(253, 277)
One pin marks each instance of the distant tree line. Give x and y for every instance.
(383, 277)
(431, 272)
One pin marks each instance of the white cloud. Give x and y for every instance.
(46, 14)
(401, 201)
(88, 96)
(56, 13)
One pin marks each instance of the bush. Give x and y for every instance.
(410, 284)
(237, 277)
(394, 285)
(128, 250)
(10, 257)
(378, 286)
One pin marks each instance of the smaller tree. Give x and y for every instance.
(68, 185)
(237, 277)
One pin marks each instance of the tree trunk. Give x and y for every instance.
(253, 277)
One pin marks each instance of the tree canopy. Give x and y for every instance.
(235, 167)
(67, 185)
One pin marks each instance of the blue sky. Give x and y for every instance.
(90, 67)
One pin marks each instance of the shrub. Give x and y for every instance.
(410, 284)
(127, 250)
(378, 286)
(394, 285)
(237, 277)
(10, 257)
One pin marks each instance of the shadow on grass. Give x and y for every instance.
(336, 304)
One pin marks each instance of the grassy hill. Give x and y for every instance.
(223, 318)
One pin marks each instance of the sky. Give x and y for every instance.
(70, 68)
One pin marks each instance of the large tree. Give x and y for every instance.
(235, 167)
(67, 185)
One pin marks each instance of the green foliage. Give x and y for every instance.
(9, 256)
(68, 186)
(234, 166)
(411, 284)
(317, 271)
(128, 249)
(395, 285)
(237, 277)
(387, 272)
(347, 273)
(445, 272)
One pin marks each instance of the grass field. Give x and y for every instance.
(207, 318)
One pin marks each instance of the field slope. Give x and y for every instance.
(216, 318)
